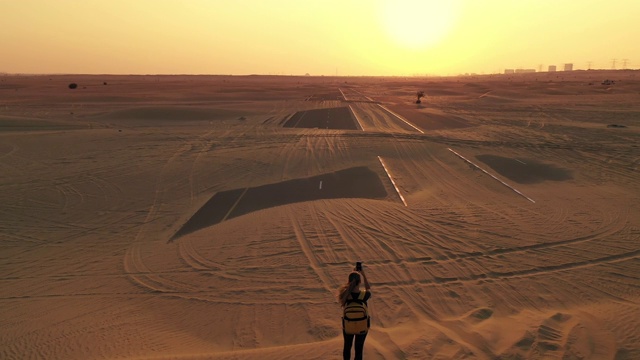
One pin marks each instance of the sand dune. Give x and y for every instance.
(99, 183)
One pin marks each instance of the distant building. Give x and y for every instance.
(524, 71)
(552, 68)
(568, 67)
(508, 71)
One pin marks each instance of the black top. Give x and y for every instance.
(354, 296)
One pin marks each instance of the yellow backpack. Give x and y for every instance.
(355, 318)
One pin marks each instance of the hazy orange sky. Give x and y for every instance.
(376, 37)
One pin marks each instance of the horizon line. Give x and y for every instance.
(306, 74)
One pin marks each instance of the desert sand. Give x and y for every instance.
(214, 217)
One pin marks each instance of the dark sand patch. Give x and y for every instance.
(356, 182)
(14, 123)
(525, 171)
(170, 114)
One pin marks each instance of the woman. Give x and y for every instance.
(349, 292)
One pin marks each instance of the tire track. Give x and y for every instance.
(133, 263)
(306, 247)
(192, 258)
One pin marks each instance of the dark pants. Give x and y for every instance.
(348, 342)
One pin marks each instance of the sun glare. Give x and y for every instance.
(418, 24)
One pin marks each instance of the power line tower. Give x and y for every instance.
(613, 64)
(624, 64)
(589, 65)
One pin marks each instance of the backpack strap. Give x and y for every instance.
(362, 294)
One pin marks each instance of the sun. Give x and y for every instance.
(418, 24)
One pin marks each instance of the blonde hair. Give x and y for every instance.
(348, 288)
